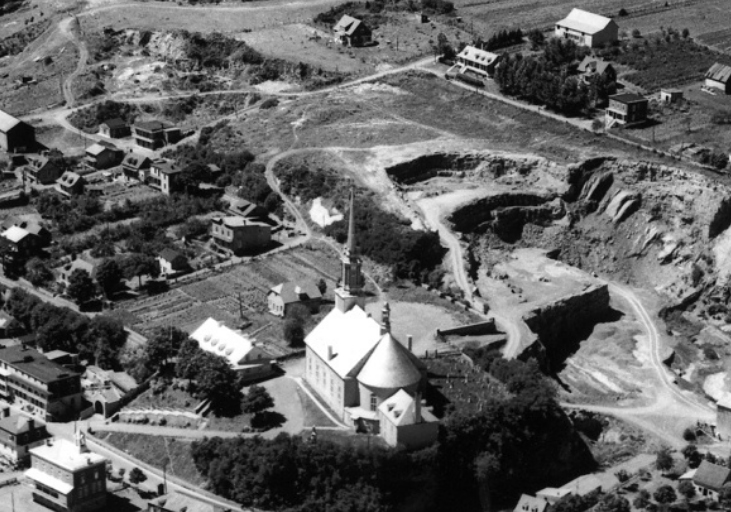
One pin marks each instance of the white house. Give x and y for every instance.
(479, 61)
(719, 77)
(587, 29)
(245, 356)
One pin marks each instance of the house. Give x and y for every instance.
(40, 386)
(172, 262)
(114, 129)
(709, 479)
(155, 134)
(528, 503)
(105, 390)
(591, 67)
(284, 295)
(100, 156)
(71, 183)
(552, 495)
(626, 109)
(20, 242)
(164, 175)
(31, 225)
(239, 235)
(64, 272)
(583, 485)
(177, 502)
(719, 77)
(41, 171)
(15, 135)
(478, 61)
(355, 365)
(587, 29)
(671, 95)
(9, 326)
(18, 435)
(246, 357)
(351, 31)
(135, 166)
(66, 476)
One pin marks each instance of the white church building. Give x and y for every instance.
(366, 376)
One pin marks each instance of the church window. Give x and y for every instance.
(374, 402)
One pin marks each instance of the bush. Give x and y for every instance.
(689, 434)
(269, 103)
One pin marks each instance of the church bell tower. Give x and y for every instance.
(350, 291)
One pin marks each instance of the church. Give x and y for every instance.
(361, 371)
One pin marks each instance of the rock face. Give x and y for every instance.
(622, 205)
(562, 324)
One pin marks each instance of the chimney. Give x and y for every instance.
(329, 352)
(417, 408)
(410, 341)
(386, 319)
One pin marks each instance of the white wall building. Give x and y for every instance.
(587, 29)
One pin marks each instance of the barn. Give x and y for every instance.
(15, 135)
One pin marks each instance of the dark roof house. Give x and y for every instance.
(711, 476)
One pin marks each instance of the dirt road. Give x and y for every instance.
(67, 27)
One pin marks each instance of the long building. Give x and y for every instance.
(587, 29)
(42, 387)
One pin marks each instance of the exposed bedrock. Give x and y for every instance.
(721, 219)
(562, 324)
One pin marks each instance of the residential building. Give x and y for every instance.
(18, 435)
(101, 156)
(40, 386)
(478, 61)
(626, 109)
(247, 209)
(592, 67)
(239, 235)
(178, 502)
(351, 31)
(587, 29)
(723, 417)
(9, 326)
(164, 175)
(246, 357)
(281, 297)
(114, 129)
(709, 479)
(71, 183)
(135, 166)
(358, 368)
(68, 477)
(15, 135)
(671, 95)
(719, 77)
(155, 134)
(106, 390)
(20, 242)
(41, 171)
(65, 271)
(172, 262)
(528, 503)
(31, 225)
(552, 495)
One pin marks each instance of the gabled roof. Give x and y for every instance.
(583, 21)
(79, 263)
(479, 56)
(69, 179)
(711, 476)
(152, 126)
(15, 234)
(528, 503)
(97, 149)
(15, 424)
(593, 65)
(390, 365)
(349, 337)
(400, 409)
(7, 121)
(170, 254)
(135, 160)
(719, 72)
(628, 98)
(167, 166)
(348, 25)
(36, 164)
(295, 292)
(214, 337)
(115, 123)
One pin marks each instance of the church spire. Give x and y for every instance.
(351, 225)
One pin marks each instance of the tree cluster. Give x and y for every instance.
(502, 39)
(99, 339)
(437, 6)
(90, 118)
(547, 79)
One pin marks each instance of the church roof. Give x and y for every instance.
(400, 409)
(346, 336)
(391, 365)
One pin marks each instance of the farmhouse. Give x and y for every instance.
(102, 156)
(172, 262)
(15, 135)
(19, 243)
(18, 435)
(164, 175)
(239, 235)
(369, 379)
(587, 29)
(71, 183)
(709, 479)
(626, 109)
(114, 129)
(41, 171)
(478, 61)
(591, 67)
(135, 166)
(155, 134)
(350, 31)
(249, 359)
(285, 295)
(719, 77)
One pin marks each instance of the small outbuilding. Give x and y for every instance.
(114, 129)
(719, 77)
(671, 95)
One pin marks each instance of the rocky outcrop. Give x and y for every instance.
(622, 205)
(597, 186)
(503, 210)
(721, 219)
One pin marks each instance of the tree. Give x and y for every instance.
(256, 400)
(665, 495)
(37, 272)
(137, 476)
(186, 366)
(686, 33)
(725, 495)
(692, 455)
(218, 383)
(294, 331)
(81, 287)
(444, 48)
(686, 488)
(613, 503)
(642, 499)
(536, 38)
(105, 339)
(138, 265)
(664, 459)
(108, 275)
(162, 345)
(322, 286)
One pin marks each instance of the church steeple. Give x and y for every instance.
(349, 293)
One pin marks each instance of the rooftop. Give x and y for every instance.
(170, 254)
(151, 126)
(135, 160)
(68, 455)
(347, 24)
(719, 72)
(167, 167)
(7, 121)
(96, 149)
(400, 409)
(477, 55)
(16, 424)
(711, 475)
(586, 22)
(528, 503)
(295, 292)
(214, 337)
(390, 365)
(628, 98)
(33, 363)
(236, 222)
(115, 123)
(15, 234)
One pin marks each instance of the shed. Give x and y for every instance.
(719, 77)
